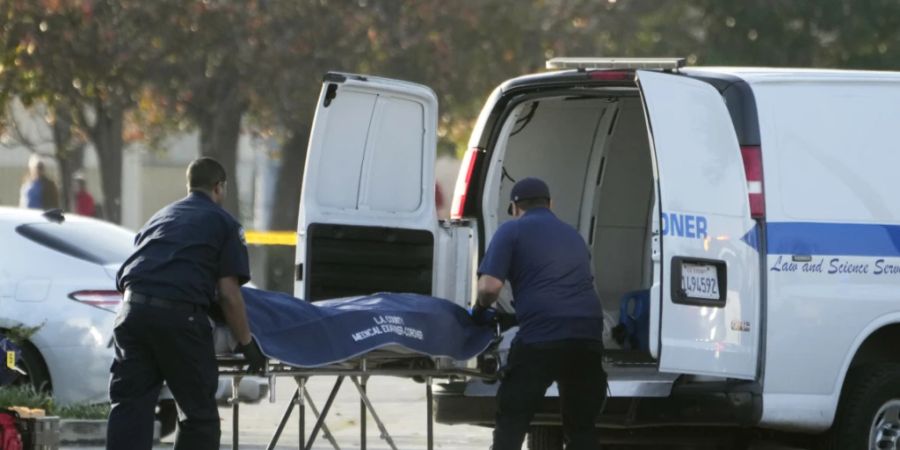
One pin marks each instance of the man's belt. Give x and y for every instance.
(141, 299)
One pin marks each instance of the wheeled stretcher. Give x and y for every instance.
(399, 335)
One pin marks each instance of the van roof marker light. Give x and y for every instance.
(615, 63)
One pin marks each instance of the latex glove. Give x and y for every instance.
(482, 315)
(254, 356)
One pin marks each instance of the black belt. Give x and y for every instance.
(141, 299)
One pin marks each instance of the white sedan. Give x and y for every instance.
(58, 272)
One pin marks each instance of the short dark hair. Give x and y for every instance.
(205, 173)
(530, 203)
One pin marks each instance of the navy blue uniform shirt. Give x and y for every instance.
(183, 250)
(548, 265)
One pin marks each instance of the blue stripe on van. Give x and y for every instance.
(839, 239)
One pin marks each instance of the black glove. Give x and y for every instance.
(483, 315)
(254, 356)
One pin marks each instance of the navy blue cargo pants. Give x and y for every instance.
(156, 344)
(577, 368)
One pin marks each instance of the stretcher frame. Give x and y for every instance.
(359, 371)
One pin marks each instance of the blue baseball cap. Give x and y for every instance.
(528, 188)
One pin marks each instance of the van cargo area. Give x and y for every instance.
(592, 149)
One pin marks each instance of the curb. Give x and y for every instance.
(89, 432)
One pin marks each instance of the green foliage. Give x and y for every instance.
(82, 411)
(27, 396)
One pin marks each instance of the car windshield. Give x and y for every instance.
(96, 242)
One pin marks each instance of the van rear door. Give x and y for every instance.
(708, 292)
(367, 219)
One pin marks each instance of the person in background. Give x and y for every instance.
(38, 191)
(84, 201)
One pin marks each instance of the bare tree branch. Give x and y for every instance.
(19, 135)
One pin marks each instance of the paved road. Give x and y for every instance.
(399, 402)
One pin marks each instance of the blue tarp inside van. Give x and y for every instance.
(304, 334)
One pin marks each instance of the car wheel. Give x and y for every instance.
(167, 415)
(32, 363)
(869, 410)
(545, 438)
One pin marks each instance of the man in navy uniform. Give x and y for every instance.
(560, 319)
(189, 256)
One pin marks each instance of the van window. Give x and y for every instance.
(834, 149)
(95, 242)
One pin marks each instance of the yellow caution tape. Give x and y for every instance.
(271, 237)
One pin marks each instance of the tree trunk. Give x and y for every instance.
(71, 161)
(219, 118)
(219, 134)
(280, 260)
(69, 155)
(109, 143)
(290, 180)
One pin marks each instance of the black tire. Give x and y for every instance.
(32, 363)
(545, 438)
(167, 415)
(866, 391)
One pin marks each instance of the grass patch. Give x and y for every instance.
(96, 412)
(26, 396)
(29, 397)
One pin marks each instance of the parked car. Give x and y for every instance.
(753, 208)
(57, 272)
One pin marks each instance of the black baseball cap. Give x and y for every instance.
(528, 188)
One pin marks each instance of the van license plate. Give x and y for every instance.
(700, 281)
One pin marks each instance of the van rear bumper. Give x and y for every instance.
(707, 406)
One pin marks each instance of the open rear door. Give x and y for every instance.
(709, 288)
(367, 217)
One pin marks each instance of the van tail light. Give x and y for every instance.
(752, 156)
(461, 190)
(611, 75)
(108, 300)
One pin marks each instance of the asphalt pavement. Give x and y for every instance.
(400, 403)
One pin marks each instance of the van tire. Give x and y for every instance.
(866, 391)
(545, 438)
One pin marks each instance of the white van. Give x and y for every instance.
(756, 205)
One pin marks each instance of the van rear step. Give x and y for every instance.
(623, 382)
(628, 358)
(636, 381)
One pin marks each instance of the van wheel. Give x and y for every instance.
(167, 415)
(545, 438)
(32, 363)
(869, 410)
